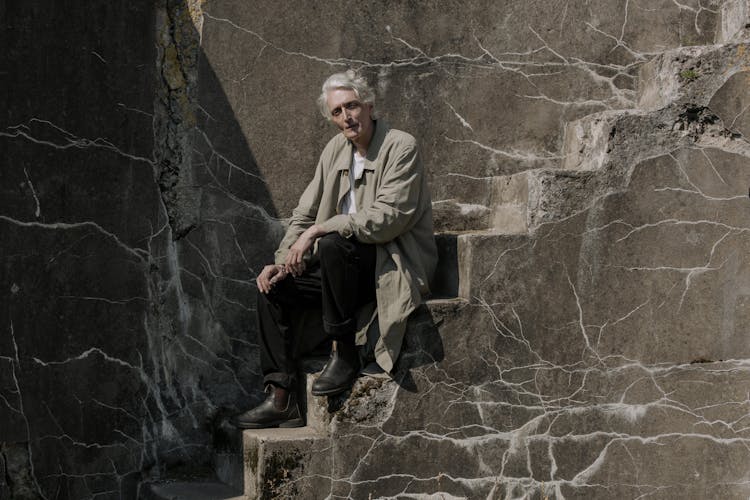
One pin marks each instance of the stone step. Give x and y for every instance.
(264, 463)
(463, 189)
(688, 96)
(522, 201)
(276, 459)
(527, 200)
(681, 92)
(587, 142)
(452, 215)
(230, 456)
(616, 141)
(462, 203)
(297, 463)
(498, 203)
(689, 75)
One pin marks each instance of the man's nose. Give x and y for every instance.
(345, 114)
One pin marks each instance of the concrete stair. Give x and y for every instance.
(678, 96)
(478, 221)
(296, 463)
(276, 458)
(511, 204)
(521, 203)
(252, 463)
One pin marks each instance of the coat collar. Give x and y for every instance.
(373, 150)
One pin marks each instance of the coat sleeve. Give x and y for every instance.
(396, 203)
(304, 215)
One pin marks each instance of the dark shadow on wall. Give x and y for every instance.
(422, 346)
(201, 152)
(226, 228)
(86, 383)
(224, 163)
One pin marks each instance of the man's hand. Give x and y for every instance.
(269, 276)
(295, 262)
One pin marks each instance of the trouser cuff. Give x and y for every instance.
(284, 380)
(342, 329)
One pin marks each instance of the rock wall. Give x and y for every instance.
(597, 168)
(129, 249)
(486, 86)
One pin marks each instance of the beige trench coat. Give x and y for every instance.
(394, 212)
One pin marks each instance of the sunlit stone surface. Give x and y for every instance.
(592, 156)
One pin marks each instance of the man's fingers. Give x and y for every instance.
(269, 276)
(264, 285)
(298, 267)
(301, 268)
(293, 261)
(277, 277)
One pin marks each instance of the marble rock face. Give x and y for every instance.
(485, 86)
(149, 161)
(130, 246)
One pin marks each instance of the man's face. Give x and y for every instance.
(351, 116)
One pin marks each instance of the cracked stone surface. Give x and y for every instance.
(486, 86)
(130, 247)
(602, 351)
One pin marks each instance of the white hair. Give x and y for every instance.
(348, 80)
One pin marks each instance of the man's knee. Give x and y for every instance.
(333, 245)
(271, 299)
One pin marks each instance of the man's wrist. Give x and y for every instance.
(315, 231)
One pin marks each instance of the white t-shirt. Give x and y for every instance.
(349, 205)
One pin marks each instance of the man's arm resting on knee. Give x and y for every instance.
(392, 213)
(303, 216)
(294, 261)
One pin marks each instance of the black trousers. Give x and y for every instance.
(342, 281)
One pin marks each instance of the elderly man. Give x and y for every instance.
(359, 246)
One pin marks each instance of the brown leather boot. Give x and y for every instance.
(280, 409)
(340, 372)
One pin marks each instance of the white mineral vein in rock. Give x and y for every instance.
(510, 61)
(139, 111)
(16, 362)
(678, 222)
(99, 56)
(224, 160)
(105, 299)
(66, 140)
(512, 154)
(463, 121)
(140, 254)
(38, 210)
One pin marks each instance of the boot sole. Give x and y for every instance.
(280, 424)
(332, 392)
